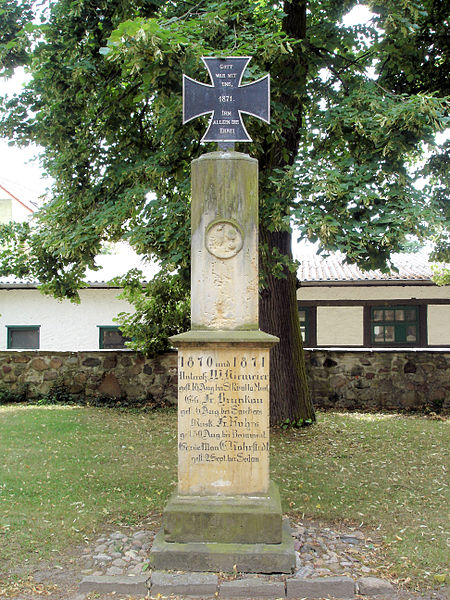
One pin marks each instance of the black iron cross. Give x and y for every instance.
(226, 99)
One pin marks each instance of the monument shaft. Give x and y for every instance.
(226, 513)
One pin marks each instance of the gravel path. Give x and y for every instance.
(322, 551)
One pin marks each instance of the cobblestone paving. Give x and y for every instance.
(322, 551)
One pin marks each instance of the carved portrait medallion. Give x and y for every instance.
(224, 238)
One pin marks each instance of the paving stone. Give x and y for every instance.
(114, 571)
(373, 586)
(188, 584)
(136, 585)
(304, 572)
(252, 588)
(119, 562)
(323, 587)
(102, 558)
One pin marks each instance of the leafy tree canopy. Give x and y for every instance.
(361, 103)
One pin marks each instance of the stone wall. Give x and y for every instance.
(120, 374)
(346, 379)
(390, 380)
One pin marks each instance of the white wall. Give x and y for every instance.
(340, 325)
(12, 210)
(438, 324)
(373, 292)
(343, 325)
(64, 325)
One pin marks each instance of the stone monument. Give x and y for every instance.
(226, 513)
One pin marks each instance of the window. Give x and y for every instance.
(22, 337)
(307, 318)
(394, 325)
(110, 338)
(304, 323)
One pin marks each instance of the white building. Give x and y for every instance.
(32, 320)
(339, 305)
(342, 306)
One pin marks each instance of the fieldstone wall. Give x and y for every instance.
(344, 379)
(114, 374)
(380, 379)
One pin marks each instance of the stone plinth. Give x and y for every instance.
(226, 512)
(223, 412)
(240, 519)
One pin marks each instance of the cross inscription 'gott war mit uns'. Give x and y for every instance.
(226, 99)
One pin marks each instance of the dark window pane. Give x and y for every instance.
(410, 314)
(24, 339)
(389, 333)
(302, 315)
(112, 339)
(400, 314)
(411, 333)
(389, 315)
(377, 315)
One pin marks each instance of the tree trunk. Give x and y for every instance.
(278, 315)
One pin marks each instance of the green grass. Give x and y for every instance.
(388, 472)
(68, 472)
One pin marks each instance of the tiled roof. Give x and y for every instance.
(111, 265)
(411, 267)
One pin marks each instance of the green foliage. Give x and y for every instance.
(295, 423)
(441, 275)
(354, 108)
(162, 309)
(105, 103)
(8, 396)
(15, 29)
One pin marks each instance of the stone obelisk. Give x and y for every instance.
(226, 513)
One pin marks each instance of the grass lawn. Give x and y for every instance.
(67, 472)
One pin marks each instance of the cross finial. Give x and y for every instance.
(226, 99)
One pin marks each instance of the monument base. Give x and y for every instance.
(224, 519)
(207, 556)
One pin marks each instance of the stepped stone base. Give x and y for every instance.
(224, 519)
(214, 556)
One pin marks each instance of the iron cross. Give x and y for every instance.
(226, 99)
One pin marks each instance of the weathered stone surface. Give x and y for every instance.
(224, 221)
(321, 587)
(226, 519)
(373, 586)
(390, 387)
(135, 585)
(38, 364)
(91, 362)
(189, 584)
(50, 375)
(252, 588)
(235, 457)
(379, 380)
(246, 558)
(110, 386)
(21, 358)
